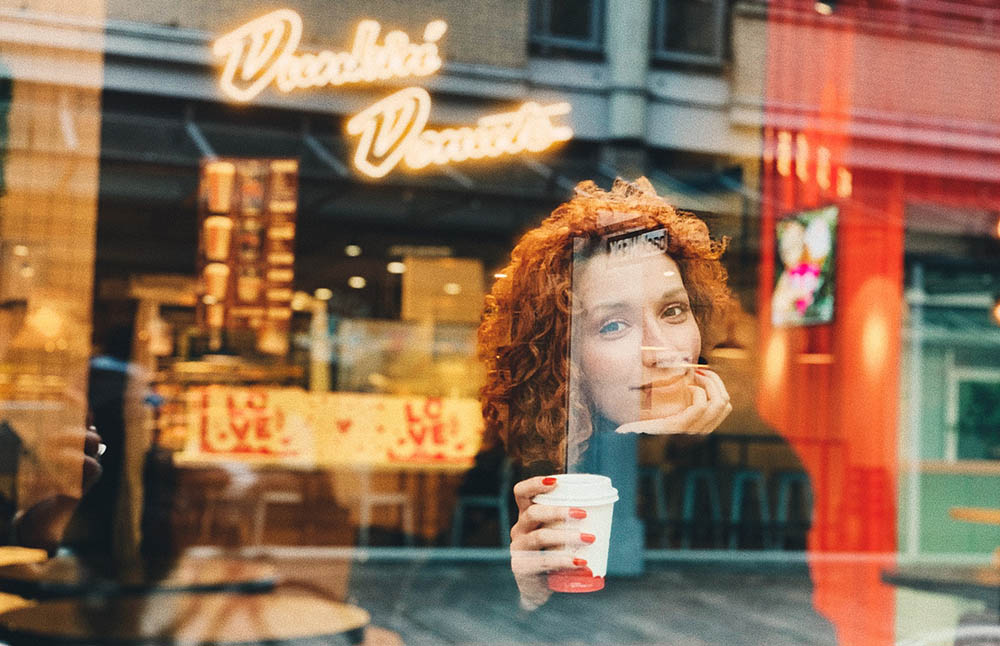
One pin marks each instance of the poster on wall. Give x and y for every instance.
(291, 425)
(804, 267)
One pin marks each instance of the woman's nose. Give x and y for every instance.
(657, 346)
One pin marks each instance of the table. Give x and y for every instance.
(11, 555)
(65, 576)
(215, 619)
(968, 581)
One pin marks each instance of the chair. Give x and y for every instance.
(707, 479)
(786, 482)
(498, 502)
(368, 500)
(265, 499)
(743, 480)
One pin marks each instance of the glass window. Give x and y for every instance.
(567, 25)
(979, 418)
(363, 325)
(689, 31)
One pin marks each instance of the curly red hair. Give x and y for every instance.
(524, 333)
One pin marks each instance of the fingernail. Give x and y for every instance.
(548, 481)
(700, 371)
(588, 538)
(579, 562)
(577, 513)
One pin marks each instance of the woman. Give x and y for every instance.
(620, 352)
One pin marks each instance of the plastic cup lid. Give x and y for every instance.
(579, 489)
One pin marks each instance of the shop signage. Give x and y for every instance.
(392, 130)
(327, 428)
(794, 156)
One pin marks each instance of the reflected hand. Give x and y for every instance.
(710, 405)
(536, 545)
(93, 448)
(42, 524)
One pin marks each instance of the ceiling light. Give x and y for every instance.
(395, 267)
(323, 294)
(352, 250)
(452, 289)
(357, 282)
(824, 8)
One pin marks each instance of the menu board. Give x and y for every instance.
(247, 249)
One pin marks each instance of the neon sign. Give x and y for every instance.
(392, 130)
(264, 51)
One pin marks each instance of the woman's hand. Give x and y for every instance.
(709, 407)
(537, 544)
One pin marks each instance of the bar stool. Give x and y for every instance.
(498, 502)
(656, 480)
(786, 482)
(744, 480)
(708, 479)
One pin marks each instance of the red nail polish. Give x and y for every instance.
(579, 562)
(588, 538)
(577, 513)
(700, 371)
(548, 481)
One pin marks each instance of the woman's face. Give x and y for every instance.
(637, 336)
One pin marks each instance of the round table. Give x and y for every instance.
(65, 576)
(218, 619)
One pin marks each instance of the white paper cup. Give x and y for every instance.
(218, 232)
(216, 280)
(595, 495)
(219, 176)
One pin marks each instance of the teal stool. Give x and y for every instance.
(743, 481)
(708, 480)
(786, 482)
(655, 481)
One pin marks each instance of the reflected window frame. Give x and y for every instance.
(544, 42)
(663, 53)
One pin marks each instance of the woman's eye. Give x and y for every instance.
(675, 311)
(612, 327)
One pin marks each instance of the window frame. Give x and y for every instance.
(540, 34)
(956, 376)
(661, 55)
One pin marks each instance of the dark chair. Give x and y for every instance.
(496, 501)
